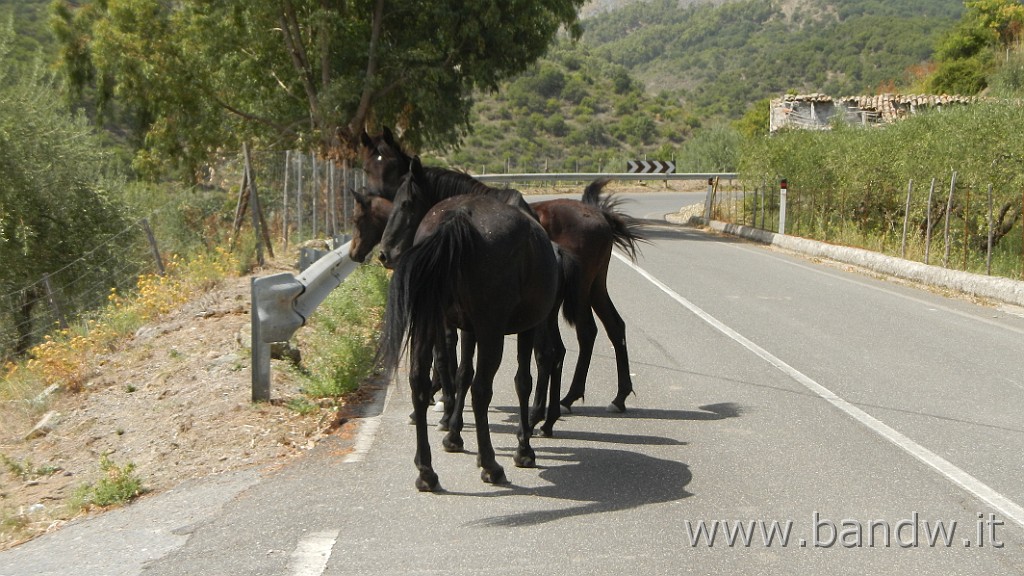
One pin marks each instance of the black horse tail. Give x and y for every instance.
(421, 288)
(571, 284)
(626, 231)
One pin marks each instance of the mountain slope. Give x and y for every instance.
(722, 58)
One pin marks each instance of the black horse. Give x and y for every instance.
(479, 263)
(587, 229)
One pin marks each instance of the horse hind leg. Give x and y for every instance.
(419, 383)
(616, 329)
(524, 456)
(489, 352)
(586, 335)
(464, 375)
(550, 353)
(444, 371)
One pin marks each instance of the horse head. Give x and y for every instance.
(369, 218)
(384, 162)
(411, 204)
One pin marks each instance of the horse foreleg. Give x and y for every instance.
(452, 441)
(525, 457)
(419, 383)
(489, 350)
(616, 329)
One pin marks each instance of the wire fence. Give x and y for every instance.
(975, 227)
(302, 198)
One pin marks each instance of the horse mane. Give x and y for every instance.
(445, 183)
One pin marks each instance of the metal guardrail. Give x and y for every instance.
(588, 176)
(282, 303)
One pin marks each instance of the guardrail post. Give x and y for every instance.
(281, 304)
(260, 355)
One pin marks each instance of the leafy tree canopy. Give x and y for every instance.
(965, 56)
(54, 208)
(203, 74)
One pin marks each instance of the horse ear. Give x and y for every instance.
(365, 139)
(361, 198)
(389, 138)
(416, 167)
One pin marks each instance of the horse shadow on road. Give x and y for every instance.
(600, 479)
(596, 481)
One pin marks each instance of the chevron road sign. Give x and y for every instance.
(650, 167)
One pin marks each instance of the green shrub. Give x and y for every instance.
(342, 336)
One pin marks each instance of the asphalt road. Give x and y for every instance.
(875, 427)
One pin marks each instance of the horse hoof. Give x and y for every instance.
(547, 431)
(496, 476)
(442, 426)
(616, 407)
(428, 482)
(565, 409)
(439, 406)
(452, 444)
(525, 459)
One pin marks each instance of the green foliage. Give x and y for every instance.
(342, 338)
(849, 184)
(119, 485)
(26, 470)
(58, 213)
(712, 149)
(756, 120)
(200, 75)
(1008, 79)
(29, 19)
(966, 55)
(720, 58)
(706, 63)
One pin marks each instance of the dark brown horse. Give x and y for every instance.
(369, 217)
(483, 265)
(587, 229)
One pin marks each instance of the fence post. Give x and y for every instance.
(298, 197)
(764, 188)
(988, 250)
(782, 206)
(928, 223)
(153, 246)
(51, 297)
(906, 219)
(949, 208)
(284, 218)
(254, 205)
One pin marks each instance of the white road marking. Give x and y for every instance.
(312, 553)
(367, 432)
(1004, 505)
